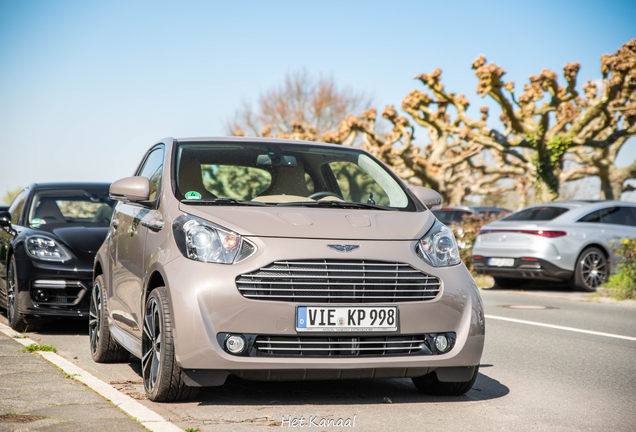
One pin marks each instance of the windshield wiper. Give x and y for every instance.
(223, 201)
(338, 204)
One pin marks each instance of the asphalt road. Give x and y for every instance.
(531, 378)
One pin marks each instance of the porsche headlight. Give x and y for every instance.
(200, 240)
(47, 249)
(438, 247)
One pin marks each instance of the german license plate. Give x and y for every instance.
(346, 319)
(501, 262)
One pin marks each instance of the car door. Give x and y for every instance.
(129, 240)
(618, 223)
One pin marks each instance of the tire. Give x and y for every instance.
(104, 348)
(162, 377)
(15, 318)
(591, 270)
(508, 283)
(430, 385)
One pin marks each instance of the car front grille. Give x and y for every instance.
(358, 346)
(334, 281)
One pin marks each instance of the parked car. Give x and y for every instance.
(560, 241)
(48, 240)
(280, 260)
(456, 214)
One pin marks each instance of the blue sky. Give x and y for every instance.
(86, 87)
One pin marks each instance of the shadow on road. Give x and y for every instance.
(350, 392)
(344, 392)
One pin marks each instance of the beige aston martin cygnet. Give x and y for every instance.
(280, 260)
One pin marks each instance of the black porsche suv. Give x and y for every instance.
(48, 240)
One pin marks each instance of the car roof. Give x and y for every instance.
(472, 208)
(260, 140)
(582, 204)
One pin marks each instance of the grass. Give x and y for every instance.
(23, 335)
(38, 347)
(192, 430)
(484, 281)
(621, 285)
(69, 376)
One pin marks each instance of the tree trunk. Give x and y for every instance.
(608, 189)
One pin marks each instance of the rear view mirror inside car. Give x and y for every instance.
(275, 160)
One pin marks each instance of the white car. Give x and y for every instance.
(559, 241)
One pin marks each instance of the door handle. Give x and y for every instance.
(155, 225)
(115, 223)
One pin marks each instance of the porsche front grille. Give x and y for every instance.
(333, 281)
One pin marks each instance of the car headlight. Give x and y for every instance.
(47, 249)
(438, 247)
(201, 240)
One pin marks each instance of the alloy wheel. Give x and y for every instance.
(593, 269)
(151, 346)
(11, 288)
(95, 317)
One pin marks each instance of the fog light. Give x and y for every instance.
(235, 344)
(441, 343)
(41, 296)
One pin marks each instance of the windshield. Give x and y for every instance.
(272, 174)
(71, 206)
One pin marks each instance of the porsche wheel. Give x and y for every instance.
(15, 318)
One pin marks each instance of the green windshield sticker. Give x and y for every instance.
(37, 222)
(192, 195)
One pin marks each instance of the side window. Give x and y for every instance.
(619, 216)
(152, 170)
(595, 217)
(356, 185)
(16, 207)
(310, 183)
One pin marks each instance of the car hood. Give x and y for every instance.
(81, 238)
(317, 223)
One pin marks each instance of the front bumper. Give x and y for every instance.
(47, 290)
(206, 302)
(534, 268)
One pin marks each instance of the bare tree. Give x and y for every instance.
(302, 104)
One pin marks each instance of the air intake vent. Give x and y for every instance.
(359, 346)
(247, 249)
(334, 281)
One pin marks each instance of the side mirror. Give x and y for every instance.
(131, 189)
(5, 219)
(429, 197)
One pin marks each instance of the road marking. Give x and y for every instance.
(148, 418)
(572, 329)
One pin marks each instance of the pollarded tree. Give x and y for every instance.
(557, 123)
(445, 164)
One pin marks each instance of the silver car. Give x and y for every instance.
(280, 260)
(559, 241)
